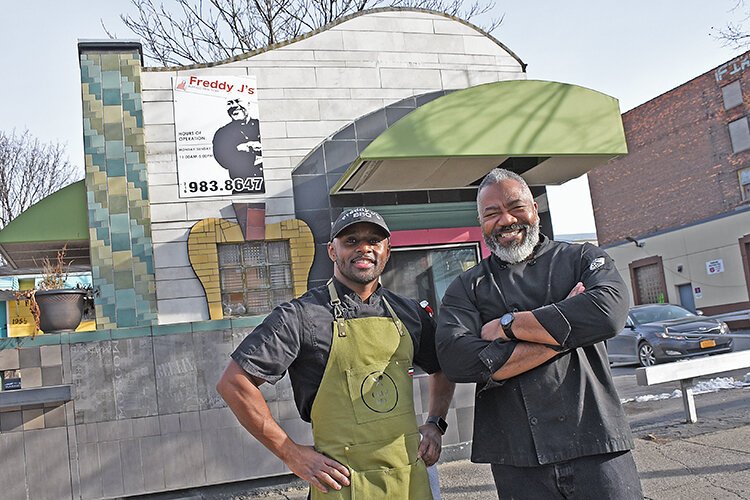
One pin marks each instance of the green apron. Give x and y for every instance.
(363, 414)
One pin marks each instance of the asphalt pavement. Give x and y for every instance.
(709, 459)
(706, 460)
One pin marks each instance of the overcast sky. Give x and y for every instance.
(633, 50)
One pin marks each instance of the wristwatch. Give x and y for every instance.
(440, 422)
(506, 321)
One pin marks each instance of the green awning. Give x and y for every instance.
(44, 228)
(560, 130)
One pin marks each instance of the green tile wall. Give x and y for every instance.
(117, 187)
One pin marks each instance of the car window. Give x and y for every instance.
(659, 313)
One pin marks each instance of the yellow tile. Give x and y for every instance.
(234, 234)
(112, 114)
(273, 231)
(215, 311)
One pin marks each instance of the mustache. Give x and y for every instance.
(512, 227)
(366, 256)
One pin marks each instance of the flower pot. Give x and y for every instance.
(60, 310)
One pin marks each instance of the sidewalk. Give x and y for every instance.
(710, 466)
(676, 461)
(715, 465)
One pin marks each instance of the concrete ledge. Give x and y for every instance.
(691, 368)
(36, 395)
(686, 371)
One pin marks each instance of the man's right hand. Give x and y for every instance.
(577, 290)
(317, 469)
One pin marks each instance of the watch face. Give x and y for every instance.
(440, 422)
(506, 319)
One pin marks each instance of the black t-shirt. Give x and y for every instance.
(296, 336)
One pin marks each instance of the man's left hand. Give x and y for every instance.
(431, 444)
(492, 329)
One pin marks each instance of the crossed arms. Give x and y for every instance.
(473, 349)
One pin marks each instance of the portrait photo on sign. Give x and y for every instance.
(217, 129)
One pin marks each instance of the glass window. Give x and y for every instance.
(255, 276)
(739, 133)
(732, 95)
(744, 176)
(424, 273)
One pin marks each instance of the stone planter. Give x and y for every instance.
(60, 310)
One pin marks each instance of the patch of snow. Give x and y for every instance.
(702, 387)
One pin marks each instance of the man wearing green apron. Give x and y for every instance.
(349, 347)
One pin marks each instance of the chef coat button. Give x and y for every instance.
(561, 418)
(533, 420)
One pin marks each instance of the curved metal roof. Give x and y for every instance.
(561, 131)
(44, 228)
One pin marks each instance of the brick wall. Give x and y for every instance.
(681, 168)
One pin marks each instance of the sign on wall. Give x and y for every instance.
(715, 266)
(217, 130)
(20, 320)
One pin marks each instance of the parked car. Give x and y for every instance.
(656, 333)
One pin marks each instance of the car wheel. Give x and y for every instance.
(646, 356)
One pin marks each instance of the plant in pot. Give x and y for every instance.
(55, 308)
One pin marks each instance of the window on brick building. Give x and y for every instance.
(255, 276)
(744, 176)
(739, 133)
(732, 95)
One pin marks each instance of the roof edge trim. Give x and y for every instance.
(268, 48)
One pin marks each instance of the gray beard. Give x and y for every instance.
(517, 252)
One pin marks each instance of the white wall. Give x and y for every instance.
(307, 90)
(691, 248)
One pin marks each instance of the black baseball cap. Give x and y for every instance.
(356, 215)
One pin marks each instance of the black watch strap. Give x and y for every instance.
(440, 422)
(506, 323)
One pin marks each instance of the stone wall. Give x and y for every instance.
(124, 412)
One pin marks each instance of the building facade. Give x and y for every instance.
(675, 212)
(403, 111)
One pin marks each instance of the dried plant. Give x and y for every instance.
(55, 273)
(29, 297)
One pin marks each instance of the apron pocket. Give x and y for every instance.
(407, 483)
(378, 455)
(388, 470)
(380, 390)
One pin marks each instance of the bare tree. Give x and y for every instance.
(29, 171)
(735, 33)
(198, 31)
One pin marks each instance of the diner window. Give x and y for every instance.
(424, 273)
(732, 94)
(744, 176)
(739, 133)
(255, 276)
